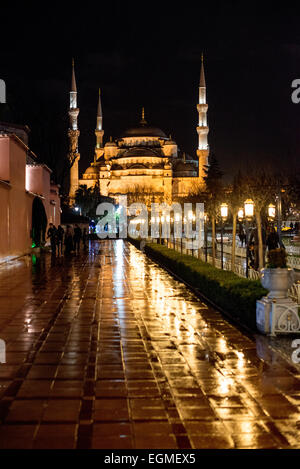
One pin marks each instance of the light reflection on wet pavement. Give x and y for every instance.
(107, 350)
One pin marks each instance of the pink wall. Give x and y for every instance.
(38, 179)
(19, 202)
(4, 218)
(4, 159)
(16, 197)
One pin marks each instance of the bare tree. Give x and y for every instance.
(235, 199)
(261, 187)
(143, 194)
(213, 194)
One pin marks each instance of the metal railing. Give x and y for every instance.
(180, 245)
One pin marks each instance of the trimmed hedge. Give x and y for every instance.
(135, 242)
(233, 294)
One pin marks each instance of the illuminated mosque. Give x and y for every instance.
(141, 158)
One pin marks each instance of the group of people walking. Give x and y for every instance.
(270, 240)
(70, 238)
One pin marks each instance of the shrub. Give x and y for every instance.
(231, 293)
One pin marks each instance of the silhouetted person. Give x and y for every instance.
(272, 239)
(242, 234)
(77, 238)
(84, 238)
(52, 234)
(60, 239)
(68, 240)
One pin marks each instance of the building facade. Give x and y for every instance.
(28, 199)
(142, 158)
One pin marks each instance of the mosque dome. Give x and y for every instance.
(143, 130)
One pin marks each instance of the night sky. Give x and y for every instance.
(148, 54)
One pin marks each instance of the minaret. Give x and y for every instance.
(99, 132)
(73, 134)
(202, 129)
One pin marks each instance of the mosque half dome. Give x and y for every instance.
(140, 152)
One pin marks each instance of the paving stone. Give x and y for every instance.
(107, 350)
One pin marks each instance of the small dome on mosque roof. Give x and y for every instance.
(182, 166)
(91, 170)
(170, 141)
(111, 143)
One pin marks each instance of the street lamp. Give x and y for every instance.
(249, 212)
(271, 211)
(224, 211)
(224, 215)
(249, 208)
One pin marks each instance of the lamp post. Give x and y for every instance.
(191, 218)
(205, 234)
(193, 243)
(172, 232)
(224, 215)
(184, 231)
(159, 231)
(249, 212)
(279, 208)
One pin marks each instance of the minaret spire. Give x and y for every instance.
(99, 113)
(73, 134)
(73, 82)
(73, 91)
(99, 132)
(202, 75)
(143, 120)
(202, 128)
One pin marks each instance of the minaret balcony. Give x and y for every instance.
(73, 113)
(202, 130)
(202, 107)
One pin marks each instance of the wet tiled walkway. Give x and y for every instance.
(107, 350)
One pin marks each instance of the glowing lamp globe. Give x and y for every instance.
(224, 211)
(249, 208)
(271, 211)
(241, 214)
